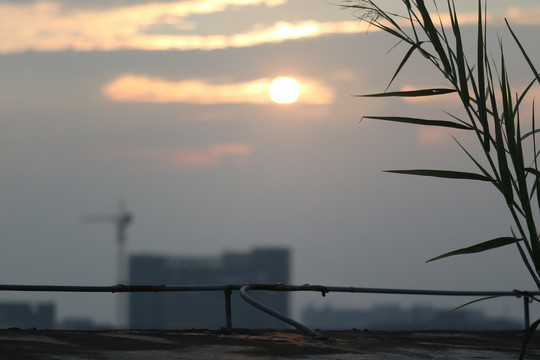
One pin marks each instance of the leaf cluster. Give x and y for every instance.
(492, 111)
(491, 108)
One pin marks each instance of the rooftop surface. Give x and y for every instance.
(261, 344)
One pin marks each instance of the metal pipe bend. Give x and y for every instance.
(243, 293)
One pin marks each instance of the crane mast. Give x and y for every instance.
(121, 220)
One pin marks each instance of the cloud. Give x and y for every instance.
(196, 158)
(524, 16)
(47, 26)
(135, 88)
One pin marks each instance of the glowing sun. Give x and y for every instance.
(284, 90)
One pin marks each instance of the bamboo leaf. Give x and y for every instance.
(484, 246)
(482, 110)
(534, 187)
(460, 57)
(472, 126)
(533, 132)
(446, 174)
(444, 37)
(412, 93)
(527, 338)
(537, 180)
(493, 179)
(474, 301)
(508, 114)
(535, 172)
(469, 303)
(516, 151)
(404, 61)
(417, 121)
(391, 31)
(526, 261)
(535, 72)
(518, 104)
(433, 35)
(506, 177)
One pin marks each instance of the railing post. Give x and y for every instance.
(526, 311)
(228, 317)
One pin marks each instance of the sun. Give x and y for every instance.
(284, 90)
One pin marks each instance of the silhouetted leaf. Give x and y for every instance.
(504, 171)
(523, 52)
(473, 301)
(460, 56)
(533, 132)
(404, 61)
(482, 109)
(417, 121)
(486, 245)
(527, 338)
(412, 93)
(447, 174)
(433, 35)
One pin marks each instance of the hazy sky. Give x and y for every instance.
(163, 104)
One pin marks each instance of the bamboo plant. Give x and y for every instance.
(491, 111)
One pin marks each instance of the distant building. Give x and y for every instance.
(394, 318)
(207, 309)
(25, 315)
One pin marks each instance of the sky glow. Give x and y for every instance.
(133, 88)
(49, 26)
(166, 105)
(190, 159)
(284, 90)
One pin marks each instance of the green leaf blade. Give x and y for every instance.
(447, 174)
(403, 62)
(481, 58)
(433, 35)
(412, 93)
(418, 121)
(460, 57)
(527, 338)
(484, 246)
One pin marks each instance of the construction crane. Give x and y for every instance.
(121, 220)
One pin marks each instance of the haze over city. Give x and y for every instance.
(165, 106)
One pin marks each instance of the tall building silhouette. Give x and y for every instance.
(170, 310)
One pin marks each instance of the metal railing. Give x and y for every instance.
(528, 296)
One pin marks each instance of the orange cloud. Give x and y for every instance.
(47, 26)
(523, 16)
(283, 31)
(134, 88)
(183, 158)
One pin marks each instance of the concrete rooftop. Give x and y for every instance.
(261, 344)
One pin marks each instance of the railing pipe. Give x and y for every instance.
(526, 302)
(120, 288)
(271, 287)
(276, 314)
(117, 288)
(228, 312)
